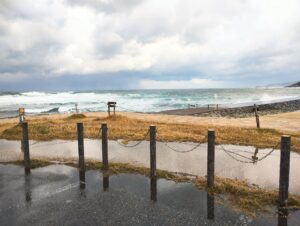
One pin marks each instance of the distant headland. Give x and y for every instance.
(297, 84)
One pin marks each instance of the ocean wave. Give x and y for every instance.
(140, 100)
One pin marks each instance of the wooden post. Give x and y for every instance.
(80, 146)
(152, 151)
(210, 158)
(108, 109)
(256, 116)
(284, 170)
(80, 137)
(21, 115)
(25, 147)
(104, 146)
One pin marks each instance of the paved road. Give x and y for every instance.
(52, 196)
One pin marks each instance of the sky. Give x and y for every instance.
(147, 44)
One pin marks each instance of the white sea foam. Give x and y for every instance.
(141, 100)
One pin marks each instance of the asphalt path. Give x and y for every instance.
(53, 196)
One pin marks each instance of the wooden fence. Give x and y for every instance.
(285, 150)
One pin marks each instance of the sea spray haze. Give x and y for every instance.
(139, 100)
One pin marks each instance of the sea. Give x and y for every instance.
(138, 100)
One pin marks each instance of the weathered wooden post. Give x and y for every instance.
(25, 147)
(284, 170)
(152, 151)
(104, 146)
(210, 158)
(256, 116)
(108, 110)
(21, 115)
(80, 137)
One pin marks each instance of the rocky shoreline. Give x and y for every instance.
(242, 112)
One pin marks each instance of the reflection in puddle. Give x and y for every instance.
(82, 179)
(105, 182)
(27, 188)
(178, 203)
(153, 189)
(282, 217)
(210, 206)
(264, 173)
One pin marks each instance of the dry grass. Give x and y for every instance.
(121, 127)
(248, 198)
(245, 198)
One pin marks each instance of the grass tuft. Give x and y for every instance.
(76, 116)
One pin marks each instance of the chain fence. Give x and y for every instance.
(234, 155)
(193, 148)
(49, 143)
(126, 145)
(133, 145)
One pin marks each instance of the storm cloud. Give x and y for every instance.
(148, 43)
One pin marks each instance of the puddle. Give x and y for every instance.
(264, 173)
(52, 195)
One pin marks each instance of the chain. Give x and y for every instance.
(185, 151)
(36, 144)
(234, 153)
(273, 149)
(231, 154)
(233, 157)
(134, 145)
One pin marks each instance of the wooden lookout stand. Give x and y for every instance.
(110, 105)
